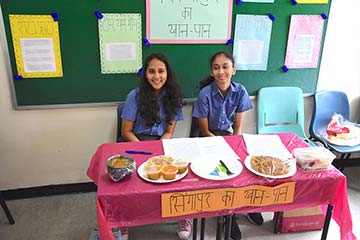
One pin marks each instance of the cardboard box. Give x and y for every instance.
(303, 219)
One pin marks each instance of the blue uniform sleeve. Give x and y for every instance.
(130, 107)
(245, 101)
(179, 115)
(201, 106)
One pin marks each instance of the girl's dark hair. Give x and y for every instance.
(148, 105)
(210, 78)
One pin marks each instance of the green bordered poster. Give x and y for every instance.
(120, 43)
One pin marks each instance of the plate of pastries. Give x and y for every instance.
(163, 169)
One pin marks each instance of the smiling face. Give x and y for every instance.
(222, 69)
(156, 74)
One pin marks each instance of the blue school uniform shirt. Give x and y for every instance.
(131, 113)
(220, 111)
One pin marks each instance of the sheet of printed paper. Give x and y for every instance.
(37, 46)
(120, 43)
(312, 1)
(304, 41)
(188, 21)
(269, 145)
(252, 42)
(196, 149)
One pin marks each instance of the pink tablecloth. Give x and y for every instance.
(134, 201)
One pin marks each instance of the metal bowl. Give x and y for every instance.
(120, 166)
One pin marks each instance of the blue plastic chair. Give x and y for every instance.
(281, 110)
(326, 103)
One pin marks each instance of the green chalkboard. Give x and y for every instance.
(83, 82)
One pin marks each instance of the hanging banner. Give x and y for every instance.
(184, 203)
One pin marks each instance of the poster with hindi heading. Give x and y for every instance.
(304, 41)
(252, 42)
(120, 43)
(36, 44)
(188, 21)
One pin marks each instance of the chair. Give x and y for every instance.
(326, 103)
(194, 129)
(6, 209)
(281, 110)
(119, 122)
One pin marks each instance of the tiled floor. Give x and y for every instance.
(72, 217)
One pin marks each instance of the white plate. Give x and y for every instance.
(291, 172)
(204, 169)
(142, 174)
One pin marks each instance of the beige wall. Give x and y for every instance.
(44, 147)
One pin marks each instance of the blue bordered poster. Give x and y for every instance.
(252, 42)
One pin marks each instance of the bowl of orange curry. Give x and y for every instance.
(120, 166)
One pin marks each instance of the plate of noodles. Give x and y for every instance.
(270, 167)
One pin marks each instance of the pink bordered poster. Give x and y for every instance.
(304, 41)
(188, 21)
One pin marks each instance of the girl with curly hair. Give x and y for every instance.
(152, 110)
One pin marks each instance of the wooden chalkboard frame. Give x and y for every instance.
(84, 85)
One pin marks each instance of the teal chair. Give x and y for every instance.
(281, 110)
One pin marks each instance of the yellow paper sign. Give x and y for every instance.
(37, 45)
(184, 203)
(312, 1)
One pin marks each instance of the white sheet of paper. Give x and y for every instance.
(269, 145)
(120, 51)
(250, 51)
(38, 54)
(304, 48)
(194, 149)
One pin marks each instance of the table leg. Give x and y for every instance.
(327, 222)
(202, 231)
(218, 227)
(277, 216)
(195, 222)
(228, 219)
(6, 209)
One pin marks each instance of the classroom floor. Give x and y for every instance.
(73, 217)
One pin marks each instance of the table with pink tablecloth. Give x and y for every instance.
(134, 202)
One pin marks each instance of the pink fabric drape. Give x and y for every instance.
(134, 202)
